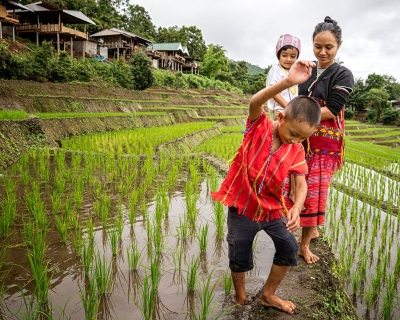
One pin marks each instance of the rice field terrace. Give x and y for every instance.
(120, 224)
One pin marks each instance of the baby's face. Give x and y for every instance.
(288, 57)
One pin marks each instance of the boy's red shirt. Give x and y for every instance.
(253, 167)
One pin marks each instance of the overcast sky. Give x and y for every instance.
(249, 29)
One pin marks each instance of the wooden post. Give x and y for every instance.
(59, 20)
(13, 35)
(72, 46)
(58, 42)
(37, 38)
(1, 30)
(117, 53)
(83, 49)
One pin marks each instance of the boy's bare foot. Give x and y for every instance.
(314, 235)
(275, 302)
(308, 256)
(240, 300)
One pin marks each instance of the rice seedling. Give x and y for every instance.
(206, 298)
(133, 254)
(120, 221)
(191, 278)
(36, 257)
(178, 258)
(90, 299)
(227, 282)
(62, 227)
(78, 241)
(389, 297)
(87, 256)
(114, 238)
(203, 238)
(101, 271)
(183, 228)
(8, 208)
(219, 219)
(148, 299)
(90, 228)
(132, 207)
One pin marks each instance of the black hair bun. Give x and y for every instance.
(330, 20)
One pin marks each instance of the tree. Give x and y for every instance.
(143, 78)
(358, 98)
(138, 20)
(378, 100)
(189, 36)
(215, 61)
(375, 81)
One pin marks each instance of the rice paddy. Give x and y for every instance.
(107, 227)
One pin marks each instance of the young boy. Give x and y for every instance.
(288, 50)
(253, 186)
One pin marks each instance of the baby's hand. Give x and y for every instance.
(300, 71)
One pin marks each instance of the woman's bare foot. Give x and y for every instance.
(308, 256)
(275, 302)
(314, 235)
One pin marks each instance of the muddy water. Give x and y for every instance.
(65, 266)
(353, 234)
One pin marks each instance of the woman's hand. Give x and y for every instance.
(300, 72)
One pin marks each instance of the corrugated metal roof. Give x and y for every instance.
(115, 31)
(168, 46)
(79, 15)
(18, 5)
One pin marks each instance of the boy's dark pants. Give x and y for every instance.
(241, 234)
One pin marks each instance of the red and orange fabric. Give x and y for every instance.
(255, 180)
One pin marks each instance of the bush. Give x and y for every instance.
(141, 70)
(372, 115)
(390, 116)
(348, 114)
(180, 81)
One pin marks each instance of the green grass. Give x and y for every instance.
(12, 115)
(99, 114)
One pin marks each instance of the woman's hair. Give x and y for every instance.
(329, 25)
(304, 109)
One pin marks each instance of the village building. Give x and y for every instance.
(45, 21)
(120, 43)
(8, 17)
(168, 55)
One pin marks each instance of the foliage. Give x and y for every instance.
(390, 116)
(137, 20)
(358, 98)
(378, 100)
(215, 61)
(12, 114)
(5, 60)
(141, 69)
(371, 116)
(254, 69)
(191, 37)
(348, 114)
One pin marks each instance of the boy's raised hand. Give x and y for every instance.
(300, 71)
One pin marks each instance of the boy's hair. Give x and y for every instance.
(304, 109)
(284, 49)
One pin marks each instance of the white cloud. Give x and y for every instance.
(249, 29)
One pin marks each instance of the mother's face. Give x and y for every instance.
(325, 48)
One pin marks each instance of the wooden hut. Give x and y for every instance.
(171, 55)
(121, 42)
(46, 21)
(8, 17)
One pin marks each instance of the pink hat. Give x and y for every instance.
(288, 40)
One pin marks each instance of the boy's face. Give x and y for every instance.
(288, 57)
(293, 131)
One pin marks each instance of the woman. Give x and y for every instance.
(330, 85)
